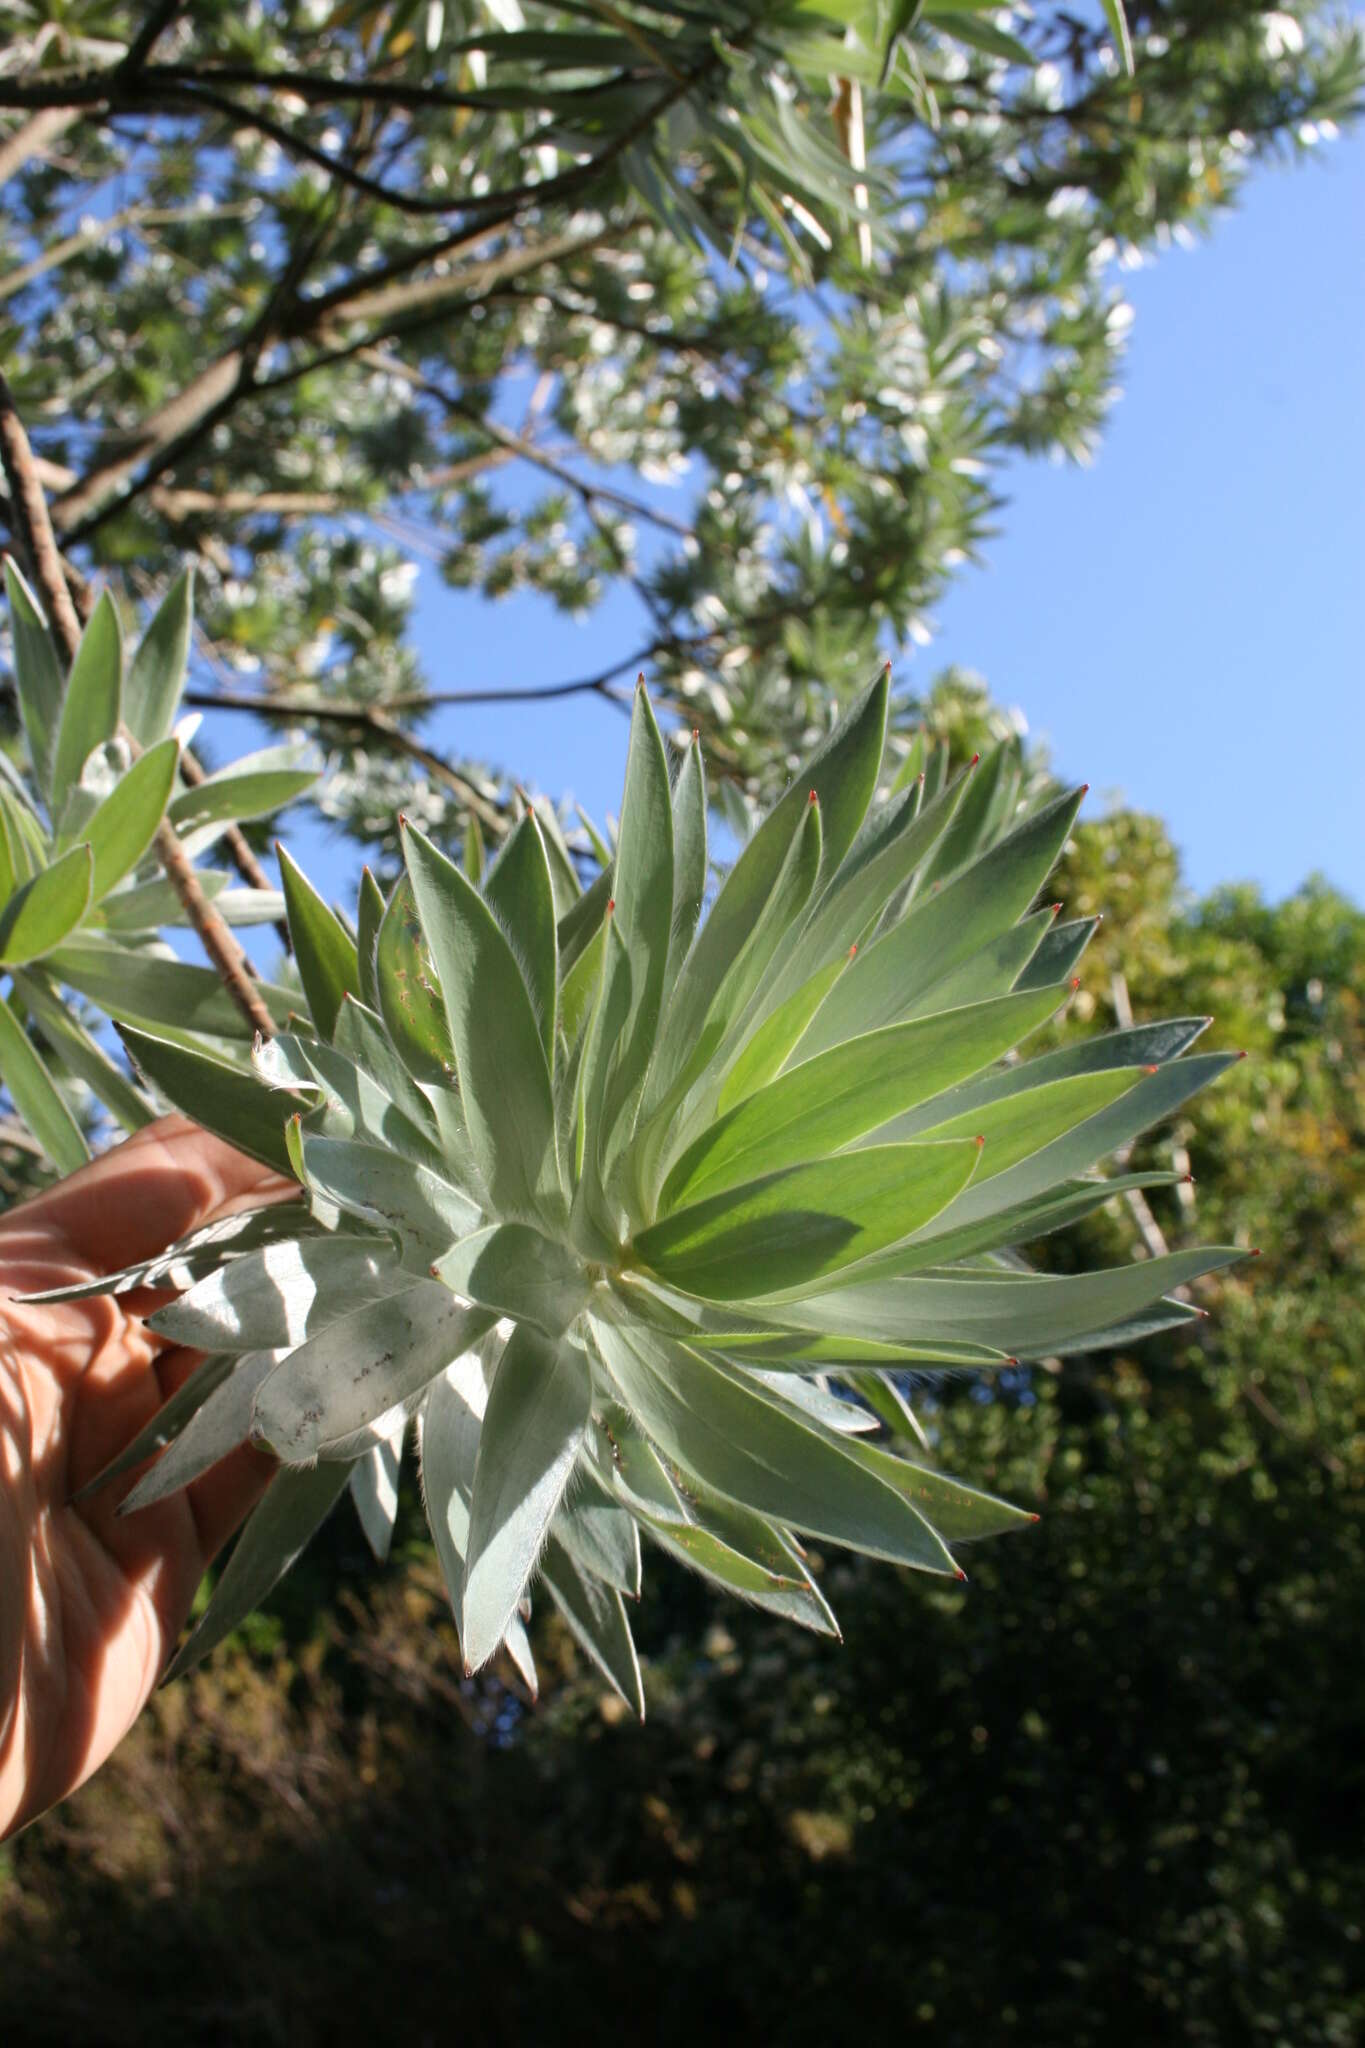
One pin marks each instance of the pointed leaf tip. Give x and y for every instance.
(961, 1575)
(975, 758)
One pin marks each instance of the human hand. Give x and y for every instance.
(91, 1603)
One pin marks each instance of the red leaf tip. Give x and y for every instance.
(611, 905)
(1056, 910)
(1189, 1180)
(1255, 1252)
(853, 949)
(813, 798)
(1075, 981)
(980, 1138)
(1035, 1518)
(971, 764)
(1151, 1070)
(960, 1574)
(1242, 1053)
(696, 734)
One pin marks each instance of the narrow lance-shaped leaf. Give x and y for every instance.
(37, 1097)
(519, 891)
(597, 1621)
(324, 951)
(711, 1419)
(689, 858)
(644, 903)
(820, 1106)
(843, 774)
(538, 1408)
(38, 674)
(125, 824)
(81, 1055)
(358, 1369)
(369, 917)
(790, 1227)
(294, 1506)
(409, 999)
(946, 928)
(156, 674)
(504, 1073)
(93, 700)
(232, 1104)
(165, 995)
(46, 910)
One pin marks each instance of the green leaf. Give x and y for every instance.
(125, 824)
(773, 1043)
(945, 929)
(513, 1269)
(1059, 954)
(393, 1193)
(217, 1427)
(165, 995)
(156, 674)
(92, 703)
(878, 865)
(597, 1621)
(743, 1554)
(709, 1417)
(959, 1513)
(1142, 1045)
(374, 1489)
(1021, 1125)
(409, 999)
(1153, 1097)
(689, 859)
(538, 1409)
(232, 1104)
(843, 775)
(789, 1228)
(165, 1426)
(644, 901)
(283, 1294)
(997, 968)
(38, 674)
(1118, 22)
(610, 1011)
(361, 1037)
(81, 1055)
(1025, 1314)
(369, 918)
(244, 791)
(36, 1096)
(823, 1104)
(1068, 1203)
(504, 1074)
(520, 893)
(601, 1538)
(581, 923)
(323, 949)
(293, 1508)
(357, 1370)
(41, 914)
(772, 924)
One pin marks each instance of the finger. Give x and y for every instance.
(133, 1201)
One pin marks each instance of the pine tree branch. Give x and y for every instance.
(33, 530)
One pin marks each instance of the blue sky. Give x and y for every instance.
(1182, 622)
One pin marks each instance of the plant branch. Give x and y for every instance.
(33, 530)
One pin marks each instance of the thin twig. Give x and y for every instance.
(33, 529)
